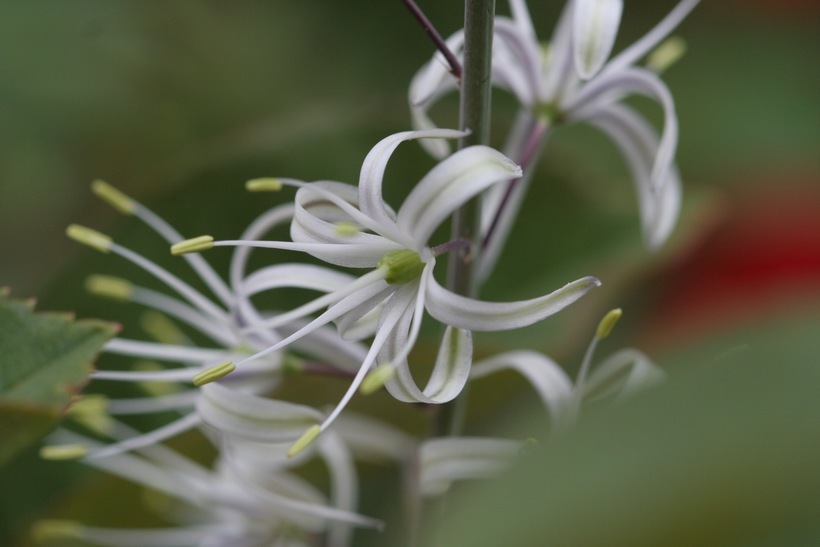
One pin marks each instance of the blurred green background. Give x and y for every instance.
(178, 103)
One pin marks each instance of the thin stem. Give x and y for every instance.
(441, 45)
(475, 117)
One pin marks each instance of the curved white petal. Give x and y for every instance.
(595, 25)
(471, 314)
(450, 372)
(344, 486)
(522, 18)
(371, 201)
(429, 84)
(560, 74)
(610, 88)
(517, 62)
(643, 46)
(445, 460)
(638, 143)
(316, 221)
(265, 222)
(255, 418)
(447, 186)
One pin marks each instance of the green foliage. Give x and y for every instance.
(45, 358)
(725, 453)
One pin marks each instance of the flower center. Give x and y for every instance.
(401, 266)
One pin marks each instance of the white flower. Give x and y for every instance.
(567, 83)
(220, 320)
(622, 374)
(250, 497)
(351, 227)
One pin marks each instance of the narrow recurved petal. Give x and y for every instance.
(609, 88)
(448, 459)
(639, 145)
(595, 25)
(471, 314)
(450, 184)
(450, 373)
(255, 418)
(371, 201)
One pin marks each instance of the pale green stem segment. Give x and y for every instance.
(214, 373)
(193, 245)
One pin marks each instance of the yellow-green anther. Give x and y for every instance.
(608, 323)
(89, 404)
(161, 328)
(63, 452)
(89, 237)
(109, 287)
(401, 266)
(305, 440)
(346, 228)
(267, 184)
(214, 373)
(113, 197)
(92, 412)
(377, 378)
(193, 245)
(48, 530)
(667, 54)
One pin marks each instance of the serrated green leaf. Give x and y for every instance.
(45, 358)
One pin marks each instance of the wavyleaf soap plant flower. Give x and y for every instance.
(219, 321)
(354, 227)
(570, 81)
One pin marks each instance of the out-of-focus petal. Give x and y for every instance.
(610, 88)
(545, 375)
(252, 417)
(652, 38)
(638, 143)
(448, 459)
(595, 25)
